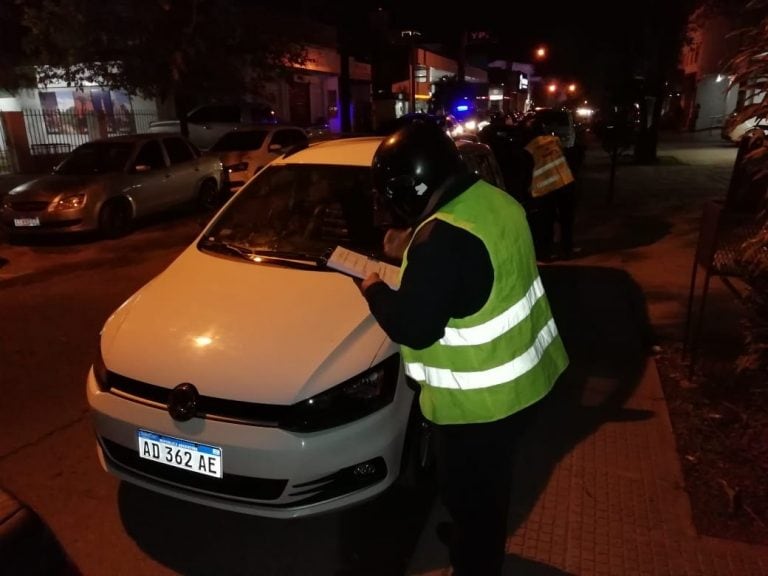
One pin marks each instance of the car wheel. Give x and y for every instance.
(417, 468)
(209, 196)
(115, 218)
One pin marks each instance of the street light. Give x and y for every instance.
(541, 52)
(571, 88)
(552, 88)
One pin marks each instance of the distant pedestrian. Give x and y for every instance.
(552, 194)
(694, 117)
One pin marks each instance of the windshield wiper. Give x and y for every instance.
(287, 257)
(228, 247)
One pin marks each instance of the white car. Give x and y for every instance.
(246, 150)
(250, 376)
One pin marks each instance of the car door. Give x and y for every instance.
(149, 178)
(184, 170)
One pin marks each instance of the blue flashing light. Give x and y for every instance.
(462, 108)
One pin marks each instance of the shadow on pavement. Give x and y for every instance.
(602, 317)
(376, 538)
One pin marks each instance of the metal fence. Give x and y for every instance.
(56, 132)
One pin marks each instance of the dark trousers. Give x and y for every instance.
(474, 467)
(541, 220)
(557, 207)
(565, 212)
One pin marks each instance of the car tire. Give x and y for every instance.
(417, 464)
(209, 196)
(115, 218)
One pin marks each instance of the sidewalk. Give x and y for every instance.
(599, 487)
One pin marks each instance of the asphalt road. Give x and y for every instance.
(55, 298)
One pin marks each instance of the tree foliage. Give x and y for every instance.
(181, 49)
(749, 71)
(749, 66)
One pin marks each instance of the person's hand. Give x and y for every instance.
(396, 241)
(372, 278)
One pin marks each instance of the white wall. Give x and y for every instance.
(711, 95)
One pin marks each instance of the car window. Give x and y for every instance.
(287, 138)
(553, 117)
(304, 208)
(96, 158)
(215, 113)
(240, 140)
(150, 155)
(177, 150)
(484, 165)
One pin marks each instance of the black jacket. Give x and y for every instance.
(449, 275)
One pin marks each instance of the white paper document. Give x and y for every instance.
(361, 266)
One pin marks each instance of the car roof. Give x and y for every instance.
(357, 151)
(133, 138)
(263, 127)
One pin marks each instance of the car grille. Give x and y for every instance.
(344, 481)
(29, 206)
(235, 411)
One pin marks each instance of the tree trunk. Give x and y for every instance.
(180, 103)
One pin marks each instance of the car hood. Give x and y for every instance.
(244, 331)
(51, 186)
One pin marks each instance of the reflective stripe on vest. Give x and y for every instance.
(444, 378)
(508, 354)
(495, 327)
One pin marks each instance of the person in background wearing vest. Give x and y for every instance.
(475, 329)
(552, 194)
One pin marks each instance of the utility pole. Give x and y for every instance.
(411, 36)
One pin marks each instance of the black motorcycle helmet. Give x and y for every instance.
(410, 165)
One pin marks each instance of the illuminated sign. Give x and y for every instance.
(523, 82)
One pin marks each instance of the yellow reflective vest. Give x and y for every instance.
(508, 354)
(550, 168)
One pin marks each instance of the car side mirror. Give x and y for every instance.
(141, 168)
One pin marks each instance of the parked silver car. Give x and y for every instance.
(105, 185)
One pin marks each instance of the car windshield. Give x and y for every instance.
(300, 210)
(96, 158)
(245, 140)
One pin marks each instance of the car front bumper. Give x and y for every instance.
(267, 472)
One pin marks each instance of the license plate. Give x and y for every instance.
(26, 221)
(184, 454)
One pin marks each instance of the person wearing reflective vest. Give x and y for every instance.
(475, 328)
(552, 191)
(550, 167)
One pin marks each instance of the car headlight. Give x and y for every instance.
(239, 167)
(70, 202)
(100, 371)
(351, 400)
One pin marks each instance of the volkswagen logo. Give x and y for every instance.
(182, 402)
